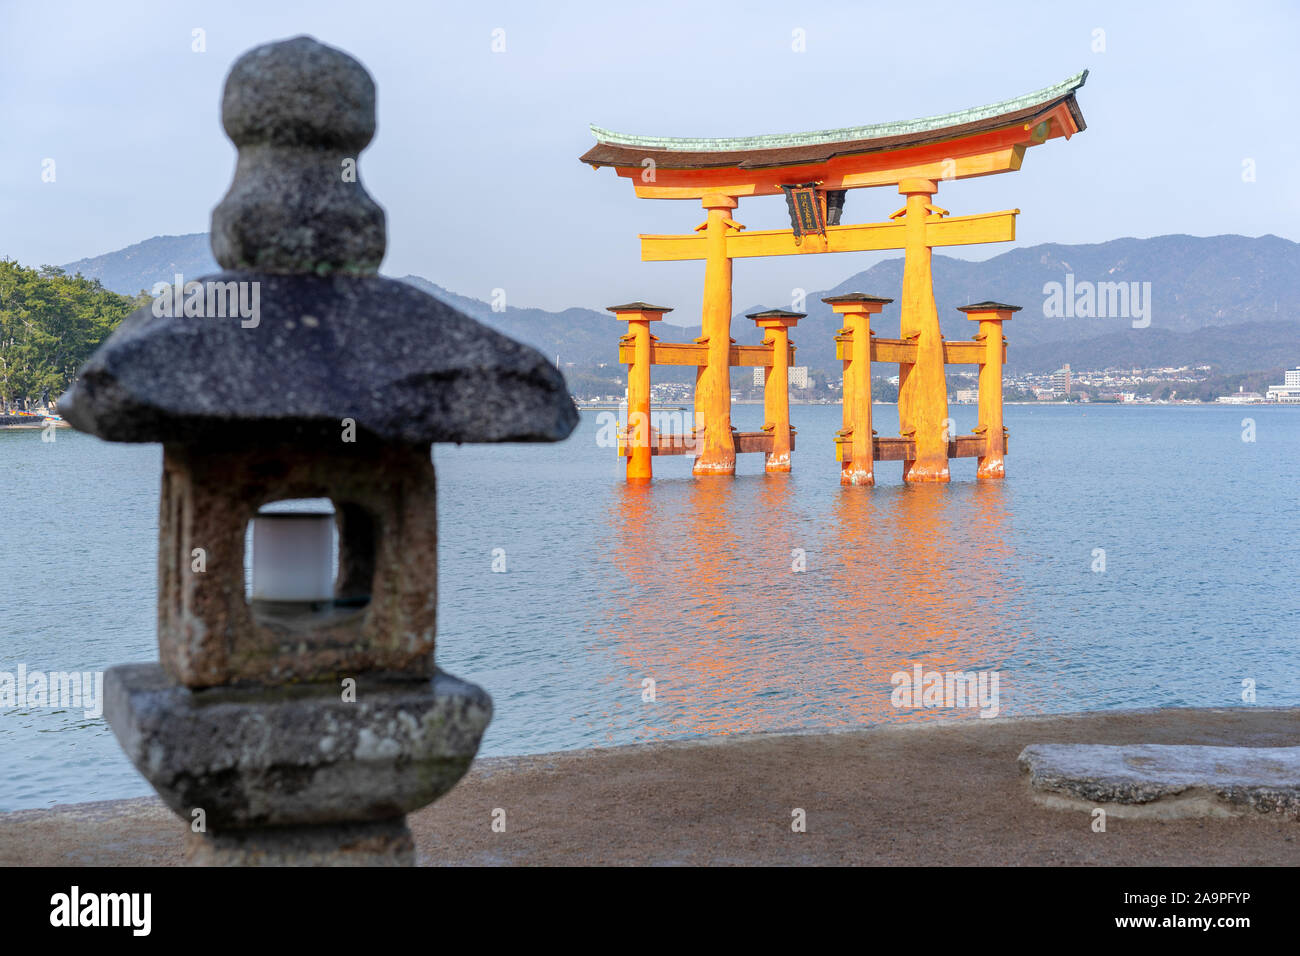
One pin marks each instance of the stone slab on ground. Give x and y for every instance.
(1203, 779)
(918, 794)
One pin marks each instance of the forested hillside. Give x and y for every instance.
(50, 323)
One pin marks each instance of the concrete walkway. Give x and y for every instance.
(924, 793)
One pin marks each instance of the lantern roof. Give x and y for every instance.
(299, 332)
(398, 362)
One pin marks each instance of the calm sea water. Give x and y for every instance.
(690, 583)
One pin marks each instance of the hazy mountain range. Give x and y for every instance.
(1229, 301)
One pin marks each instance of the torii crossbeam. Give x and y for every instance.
(915, 156)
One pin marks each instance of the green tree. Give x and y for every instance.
(50, 323)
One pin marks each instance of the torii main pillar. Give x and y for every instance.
(922, 387)
(713, 382)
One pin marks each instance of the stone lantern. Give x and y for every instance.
(301, 727)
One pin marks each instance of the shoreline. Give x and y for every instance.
(947, 792)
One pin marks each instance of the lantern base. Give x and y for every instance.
(377, 843)
(279, 772)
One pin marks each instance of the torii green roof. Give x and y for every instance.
(848, 133)
(810, 149)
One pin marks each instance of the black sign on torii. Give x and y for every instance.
(804, 201)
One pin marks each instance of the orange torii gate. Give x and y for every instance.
(814, 171)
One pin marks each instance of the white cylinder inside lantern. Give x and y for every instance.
(293, 556)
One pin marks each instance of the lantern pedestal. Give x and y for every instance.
(283, 774)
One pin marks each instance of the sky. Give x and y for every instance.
(1190, 111)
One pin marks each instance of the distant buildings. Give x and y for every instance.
(1240, 397)
(1168, 384)
(670, 393)
(798, 376)
(1128, 386)
(1289, 390)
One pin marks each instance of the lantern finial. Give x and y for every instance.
(300, 113)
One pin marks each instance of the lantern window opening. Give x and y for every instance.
(308, 558)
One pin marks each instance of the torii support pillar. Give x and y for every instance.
(713, 384)
(777, 324)
(857, 468)
(638, 316)
(990, 316)
(922, 387)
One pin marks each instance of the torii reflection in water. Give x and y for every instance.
(736, 638)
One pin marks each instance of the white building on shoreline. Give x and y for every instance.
(1240, 397)
(1289, 391)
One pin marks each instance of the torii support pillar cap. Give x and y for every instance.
(776, 317)
(857, 302)
(638, 310)
(989, 310)
(331, 339)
